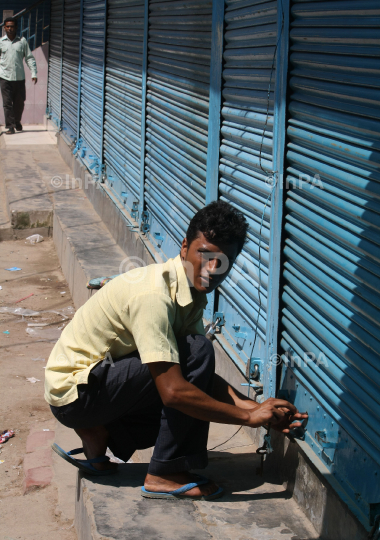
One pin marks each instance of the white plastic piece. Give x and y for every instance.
(34, 239)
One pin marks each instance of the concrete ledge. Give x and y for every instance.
(315, 490)
(84, 246)
(109, 211)
(30, 206)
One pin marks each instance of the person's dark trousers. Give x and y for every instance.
(124, 398)
(14, 95)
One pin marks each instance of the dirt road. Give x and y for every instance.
(25, 348)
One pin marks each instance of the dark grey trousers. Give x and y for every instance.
(14, 95)
(124, 398)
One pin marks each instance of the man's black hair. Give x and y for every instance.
(220, 223)
(10, 19)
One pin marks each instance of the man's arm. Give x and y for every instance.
(30, 61)
(227, 394)
(179, 394)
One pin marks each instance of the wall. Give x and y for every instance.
(36, 95)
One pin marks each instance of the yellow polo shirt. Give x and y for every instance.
(144, 309)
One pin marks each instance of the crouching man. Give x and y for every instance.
(133, 369)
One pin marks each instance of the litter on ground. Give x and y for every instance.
(13, 269)
(34, 239)
(25, 297)
(46, 333)
(33, 380)
(5, 435)
(19, 311)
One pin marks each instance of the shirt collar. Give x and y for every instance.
(4, 38)
(183, 295)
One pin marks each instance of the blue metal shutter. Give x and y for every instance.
(331, 300)
(122, 126)
(70, 65)
(246, 168)
(55, 61)
(177, 118)
(92, 81)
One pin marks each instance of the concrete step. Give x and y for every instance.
(253, 507)
(6, 232)
(29, 205)
(85, 247)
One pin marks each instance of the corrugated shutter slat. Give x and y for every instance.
(122, 127)
(179, 49)
(246, 164)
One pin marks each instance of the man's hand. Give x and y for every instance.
(34, 79)
(280, 414)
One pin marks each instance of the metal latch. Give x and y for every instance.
(95, 164)
(145, 221)
(255, 368)
(135, 210)
(217, 322)
(239, 334)
(158, 236)
(264, 450)
(321, 438)
(77, 146)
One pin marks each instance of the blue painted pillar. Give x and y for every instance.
(215, 100)
(213, 143)
(80, 69)
(143, 111)
(60, 86)
(276, 199)
(103, 90)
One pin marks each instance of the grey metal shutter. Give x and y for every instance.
(246, 168)
(331, 299)
(177, 118)
(122, 126)
(92, 81)
(55, 61)
(70, 66)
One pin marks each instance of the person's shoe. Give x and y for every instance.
(18, 127)
(10, 131)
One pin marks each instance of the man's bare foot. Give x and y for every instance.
(95, 445)
(170, 482)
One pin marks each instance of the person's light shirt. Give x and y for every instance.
(145, 309)
(12, 54)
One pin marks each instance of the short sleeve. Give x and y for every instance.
(151, 317)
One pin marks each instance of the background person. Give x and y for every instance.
(13, 50)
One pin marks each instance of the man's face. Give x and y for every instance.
(10, 30)
(207, 264)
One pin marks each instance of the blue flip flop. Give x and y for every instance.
(179, 493)
(84, 465)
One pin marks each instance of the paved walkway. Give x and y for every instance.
(32, 134)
